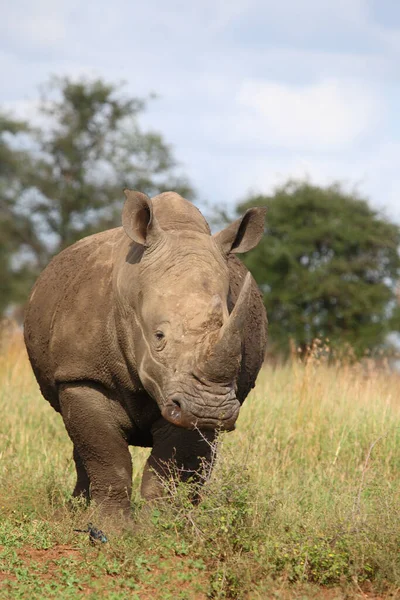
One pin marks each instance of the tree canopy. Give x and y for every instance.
(327, 266)
(63, 179)
(14, 231)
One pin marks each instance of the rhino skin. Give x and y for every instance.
(151, 334)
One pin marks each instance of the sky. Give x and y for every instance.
(249, 92)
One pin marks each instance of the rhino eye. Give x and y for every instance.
(159, 339)
(160, 336)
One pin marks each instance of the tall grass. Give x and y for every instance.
(307, 488)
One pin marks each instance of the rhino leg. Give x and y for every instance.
(101, 453)
(82, 485)
(177, 452)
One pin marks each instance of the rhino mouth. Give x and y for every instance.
(179, 411)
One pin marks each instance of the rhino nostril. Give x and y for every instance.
(174, 409)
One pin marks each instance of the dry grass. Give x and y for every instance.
(306, 492)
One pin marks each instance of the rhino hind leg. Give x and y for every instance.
(178, 453)
(102, 458)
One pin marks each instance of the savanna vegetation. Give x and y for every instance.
(328, 265)
(62, 174)
(304, 501)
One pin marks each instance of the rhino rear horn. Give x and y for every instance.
(138, 219)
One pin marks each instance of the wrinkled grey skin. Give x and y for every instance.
(151, 334)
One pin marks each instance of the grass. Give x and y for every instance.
(304, 501)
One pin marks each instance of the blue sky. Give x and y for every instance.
(250, 91)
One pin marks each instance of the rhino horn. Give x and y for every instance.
(225, 352)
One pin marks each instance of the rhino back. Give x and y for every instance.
(255, 330)
(69, 323)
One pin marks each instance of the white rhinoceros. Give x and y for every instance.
(150, 334)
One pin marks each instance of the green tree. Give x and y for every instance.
(327, 266)
(68, 182)
(14, 231)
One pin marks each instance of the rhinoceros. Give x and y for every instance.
(151, 334)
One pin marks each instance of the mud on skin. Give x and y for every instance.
(150, 334)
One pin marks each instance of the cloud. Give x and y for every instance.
(373, 173)
(251, 91)
(40, 25)
(329, 114)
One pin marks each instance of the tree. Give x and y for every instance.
(327, 266)
(13, 231)
(68, 182)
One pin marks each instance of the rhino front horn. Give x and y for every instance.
(225, 355)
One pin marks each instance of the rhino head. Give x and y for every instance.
(188, 346)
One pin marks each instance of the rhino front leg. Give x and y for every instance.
(175, 451)
(101, 453)
(81, 489)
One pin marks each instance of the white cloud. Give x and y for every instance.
(26, 110)
(251, 91)
(224, 13)
(374, 174)
(40, 24)
(305, 17)
(329, 114)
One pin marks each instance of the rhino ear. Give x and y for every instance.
(138, 219)
(244, 233)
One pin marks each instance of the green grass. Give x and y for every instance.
(304, 501)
